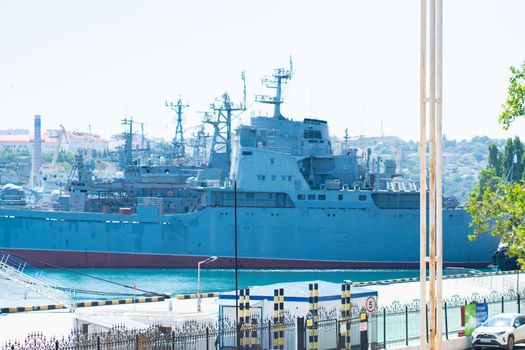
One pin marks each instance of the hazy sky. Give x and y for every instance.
(356, 63)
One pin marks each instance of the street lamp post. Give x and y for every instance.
(208, 260)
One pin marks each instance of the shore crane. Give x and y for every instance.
(63, 134)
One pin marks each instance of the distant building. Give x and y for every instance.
(14, 132)
(80, 140)
(20, 142)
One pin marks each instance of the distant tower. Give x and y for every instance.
(280, 76)
(178, 141)
(37, 153)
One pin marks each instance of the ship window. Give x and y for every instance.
(340, 197)
(283, 177)
(289, 178)
(300, 197)
(261, 177)
(362, 197)
(249, 195)
(312, 134)
(274, 177)
(272, 160)
(311, 196)
(321, 197)
(246, 153)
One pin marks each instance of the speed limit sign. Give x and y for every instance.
(370, 304)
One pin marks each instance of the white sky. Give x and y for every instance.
(81, 63)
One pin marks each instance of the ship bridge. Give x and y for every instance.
(299, 138)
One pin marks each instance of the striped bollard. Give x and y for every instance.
(312, 322)
(281, 318)
(247, 317)
(276, 332)
(240, 330)
(346, 315)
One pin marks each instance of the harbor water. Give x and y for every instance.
(110, 283)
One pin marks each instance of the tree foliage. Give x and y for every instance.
(514, 106)
(512, 160)
(488, 180)
(495, 158)
(501, 212)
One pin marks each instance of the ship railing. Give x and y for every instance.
(13, 269)
(195, 184)
(150, 201)
(400, 185)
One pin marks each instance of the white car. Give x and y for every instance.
(501, 331)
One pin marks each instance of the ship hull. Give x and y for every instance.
(74, 259)
(267, 238)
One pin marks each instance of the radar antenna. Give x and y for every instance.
(279, 78)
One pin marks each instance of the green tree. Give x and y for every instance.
(514, 106)
(488, 179)
(501, 212)
(499, 209)
(512, 160)
(495, 159)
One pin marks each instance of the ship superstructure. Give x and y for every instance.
(298, 206)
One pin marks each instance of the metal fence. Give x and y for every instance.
(399, 324)
(395, 325)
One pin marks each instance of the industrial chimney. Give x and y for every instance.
(37, 154)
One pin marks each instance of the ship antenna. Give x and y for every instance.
(346, 141)
(279, 78)
(223, 110)
(243, 76)
(178, 141)
(128, 143)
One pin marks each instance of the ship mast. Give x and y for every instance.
(280, 77)
(179, 150)
(222, 123)
(346, 143)
(199, 144)
(128, 143)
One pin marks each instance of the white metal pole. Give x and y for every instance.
(439, 156)
(432, 177)
(423, 180)
(199, 286)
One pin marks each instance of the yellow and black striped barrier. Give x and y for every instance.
(194, 296)
(120, 301)
(313, 322)
(278, 318)
(82, 304)
(8, 310)
(244, 315)
(346, 315)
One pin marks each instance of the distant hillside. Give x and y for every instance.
(462, 160)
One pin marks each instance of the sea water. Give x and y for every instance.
(110, 283)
